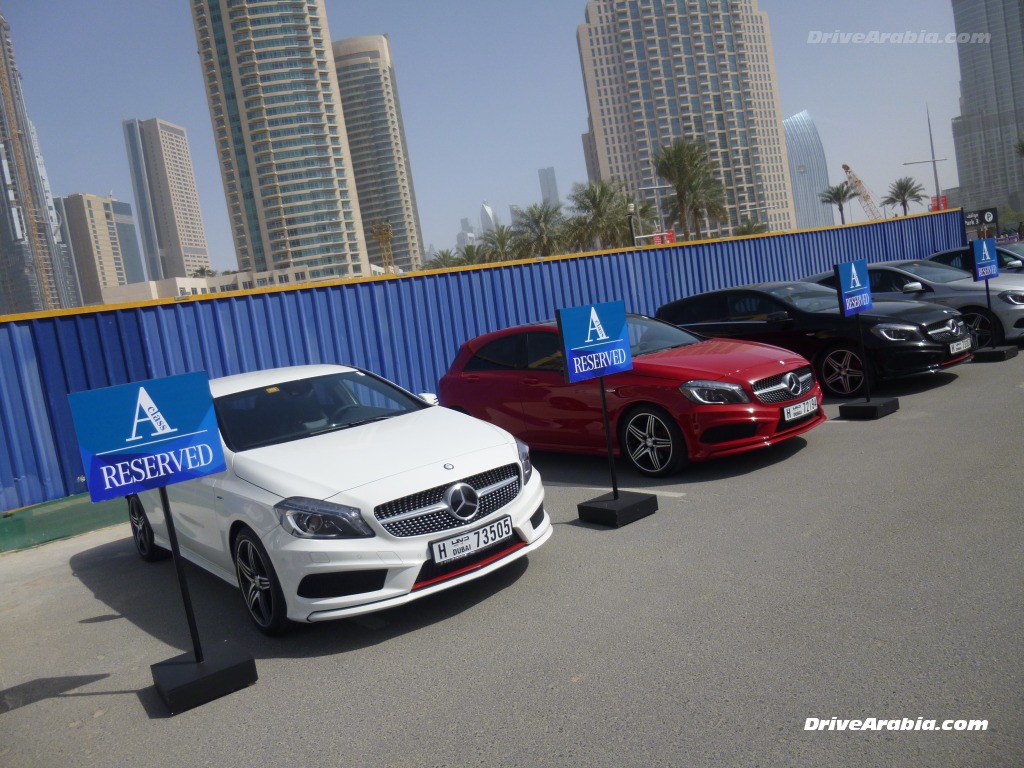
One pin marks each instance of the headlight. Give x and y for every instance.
(1012, 297)
(713, 392)
(896, 332)
(315, 519)
(524, 459)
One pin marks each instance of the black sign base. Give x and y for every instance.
(994, 354)
(867, 410)
(607, 510)
(183, 684)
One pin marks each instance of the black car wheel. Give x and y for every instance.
(652, 442)
(142, 532)
(986, 330)
(261, 590)
(841, 371)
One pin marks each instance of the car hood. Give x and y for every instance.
(718, 359)
(923, 312)
(325, 465)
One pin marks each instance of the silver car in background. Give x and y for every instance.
(924, 280)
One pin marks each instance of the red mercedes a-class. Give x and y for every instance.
(686, 399)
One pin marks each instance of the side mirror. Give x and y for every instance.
(914, 287)
(428, 397)
(1014, 264)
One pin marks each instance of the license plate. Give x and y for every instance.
(959, 346)
(469, 542)
(791, 412)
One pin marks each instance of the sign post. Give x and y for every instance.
(854, 286)
(146, 436)
(986, 266)
(595, 340)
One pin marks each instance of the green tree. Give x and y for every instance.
(600, 215)
(750, 227)
(903, 192)
(471, 254)
(838, 195)
(443, 259)
(499, 244)
(1020, 147)
(685, 165)
(538, 229)
(205, 272)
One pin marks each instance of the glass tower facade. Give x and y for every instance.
(701, 70)
(808, 171)
(36, 273)
(380, 156)
(164, 184)
(280, 136)
(991, 120)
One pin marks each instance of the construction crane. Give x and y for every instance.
(382, 233)
(866, 200)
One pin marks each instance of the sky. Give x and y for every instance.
(490, 92)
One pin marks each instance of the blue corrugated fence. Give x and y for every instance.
(407, 329)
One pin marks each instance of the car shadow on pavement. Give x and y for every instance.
(148, 596)
(593, 471)
(911, 385)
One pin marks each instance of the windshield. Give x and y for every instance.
(809, 297)
(293, 410)
(647, 335)
(933, 271)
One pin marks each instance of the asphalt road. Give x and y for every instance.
(865, 570)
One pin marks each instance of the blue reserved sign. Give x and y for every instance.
(854, 287)
(135, 437)
(986, 263)
(595, 339)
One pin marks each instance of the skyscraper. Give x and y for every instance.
(36, 273)
(376, 138)
(991, 120)
(280, 136)
(548, 187)
(103, 241)
(164, 184)
(659, 70)
(808, 171)
(488, 220)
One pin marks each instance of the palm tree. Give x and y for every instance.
(443, 259)
(205, 272)
(600, 215)
(707, 199)
(1020, 147)
(904, 191)
(686, 166)
(838, 195)
(750, 227)
(499, 244)
(538, 228)
(471, 254)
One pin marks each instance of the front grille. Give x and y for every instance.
(773, 390)
(426, 513)
(943, 331)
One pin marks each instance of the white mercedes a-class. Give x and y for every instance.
(345, 494)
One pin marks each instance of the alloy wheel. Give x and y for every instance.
(649, 443)
(842, 372)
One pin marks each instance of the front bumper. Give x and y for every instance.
(722, 430)
(334, 579)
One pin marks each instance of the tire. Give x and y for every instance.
(841, 371)
(985, 328)
(142, 532)
(261, 590)
(652, 442)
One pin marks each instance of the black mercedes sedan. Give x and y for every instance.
(901, 338)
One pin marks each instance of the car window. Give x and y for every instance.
(887, 281)
(544, 352)
(648, 335)
(829, 281)
(932, 271)
(750, 306)
(956, 259)
(696, 309)
(292, 410)
(810, 297)
(505, 353)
